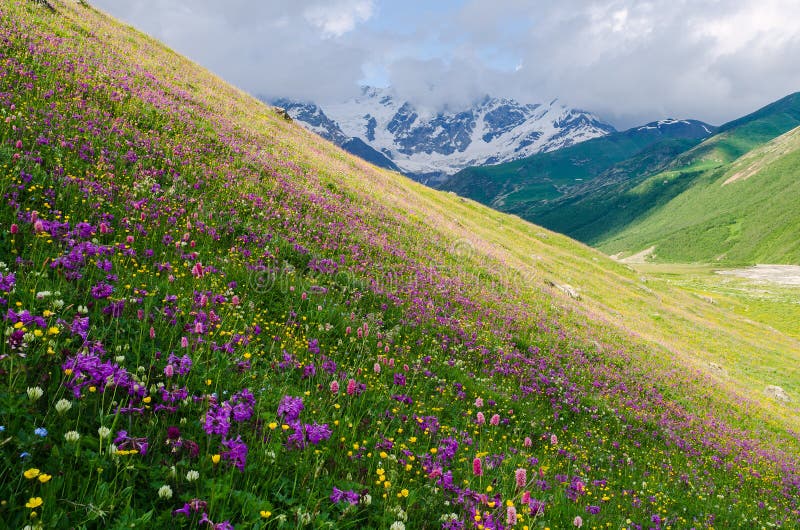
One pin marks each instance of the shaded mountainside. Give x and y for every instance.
(428, 146)
(670, 194)
(526, 184)
(688, 212)
(215, 319)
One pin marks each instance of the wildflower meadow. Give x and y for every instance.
(206, 325)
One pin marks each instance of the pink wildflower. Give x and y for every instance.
(521, 477)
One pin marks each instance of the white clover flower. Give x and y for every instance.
(398, 525)
(83, 309)
(400, 513)
(63, 405)
(192, 475)
(165, 492)
(58, 304)
(365, 499)
(35, 392)
(103, 432)
(71, 436)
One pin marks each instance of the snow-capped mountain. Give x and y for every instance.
(677, 128)
(392, 132)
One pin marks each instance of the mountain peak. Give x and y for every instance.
(427, 141)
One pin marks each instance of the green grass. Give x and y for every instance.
(739, 213)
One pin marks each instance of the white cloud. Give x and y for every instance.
(337, 18)
(629, 60)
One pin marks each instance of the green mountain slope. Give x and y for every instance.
(215, 319)
(742, 212)
(521, 185)
(664, 195)
(689, 217)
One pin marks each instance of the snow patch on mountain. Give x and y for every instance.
(422, 141)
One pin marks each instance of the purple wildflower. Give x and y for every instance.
(218, 420)
(101, 290)
(349, 496)
(7, 282)
(317, 433)
(125, 442)
(242, 405)
(290, 408)
(237, 452)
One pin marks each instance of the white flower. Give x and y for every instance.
(63, 405)
(165, 492)
(365, 499)
(83, 309)
(35, 392)
(398, 525)
(72, 436)
(103, 432)
(192, 475)
(400, 513)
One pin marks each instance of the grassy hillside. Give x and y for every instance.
(614, 217)
(522, 186)
(213, 318)
(744, 211)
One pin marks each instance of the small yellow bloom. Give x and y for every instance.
(34, 502)
(92, 389)
(53, 331)
(31, 473)
(272, 426)
(404, 492)
(44, 477)
(265, 514)
(215, 458)
(147, 399)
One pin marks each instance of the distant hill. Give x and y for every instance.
(523, 185)
(686, 211)
(669, 194)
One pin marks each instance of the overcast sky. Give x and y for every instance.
(629, 61)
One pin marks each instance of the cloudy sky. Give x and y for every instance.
(629, 61)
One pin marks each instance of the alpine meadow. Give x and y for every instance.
(213, 318)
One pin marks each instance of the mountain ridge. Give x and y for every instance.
(431, 145)
(548, 176)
